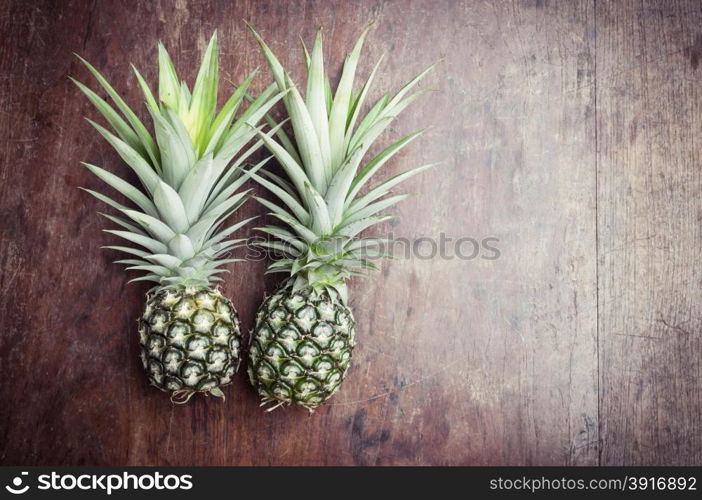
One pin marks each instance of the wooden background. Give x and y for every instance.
(570, 130)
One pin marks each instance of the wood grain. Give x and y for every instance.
(649, 213)
(568, 133)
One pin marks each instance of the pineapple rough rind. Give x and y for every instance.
(190, 340)
(301, 346)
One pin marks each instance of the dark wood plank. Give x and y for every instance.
(489, 361)
(62, 344)
(459, 362)
(649, 208)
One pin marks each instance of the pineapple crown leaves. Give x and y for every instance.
(189, 170)
(321, 202)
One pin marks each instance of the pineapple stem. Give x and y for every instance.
(181, 396)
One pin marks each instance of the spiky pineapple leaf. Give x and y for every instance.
(169, 90)
(170, 207)
(294, 205)
(224, 119)
(131, 251)
(374, 165)
(373, 208)
(177, 154)
(137, 125)
(123, 187)
(144, 171)
(307, 140)
(154, 246)
(320, 203)
(165, 260)
(151, 103)
(182, 247)
(340, 108)
(123, 223)
(203, 102)
(190, 169)
(152, 225)
(385, 187)
(358, 105)
(315, 101)
(118, 124)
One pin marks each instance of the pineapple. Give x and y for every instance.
(303, 337)
(189, 181)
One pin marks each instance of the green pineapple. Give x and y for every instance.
(189, 184)
(303, 338)
(190, 340)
